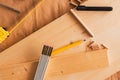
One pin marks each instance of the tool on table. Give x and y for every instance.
(43, 62)
(77, 17)
(2, 30)
(93, 8)
(86, 8)
(3, 34)
(90, 8)
(46, 53)
(9, 8)
(67, 47)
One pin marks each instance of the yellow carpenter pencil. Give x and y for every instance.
(67, 47)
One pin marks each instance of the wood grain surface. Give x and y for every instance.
(33, 22)
(105, 26)
(70, 62)
(30, 25)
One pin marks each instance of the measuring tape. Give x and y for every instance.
(4, 33)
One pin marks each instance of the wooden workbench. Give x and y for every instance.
(105, 26)
(103, 34)
(35, 18)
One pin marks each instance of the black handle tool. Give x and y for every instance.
(93, 8)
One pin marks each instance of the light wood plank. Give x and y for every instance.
(59, 66)
(105, 26)
(28, 50)
(62, 35)
(104, 35)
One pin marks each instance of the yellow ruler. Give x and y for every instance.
(4, 33)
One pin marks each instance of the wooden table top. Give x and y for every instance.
(108, 35)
